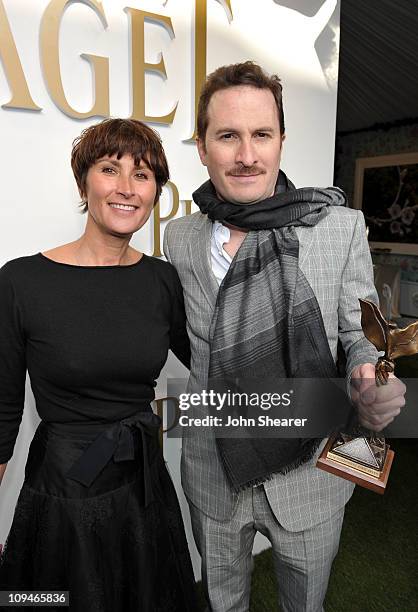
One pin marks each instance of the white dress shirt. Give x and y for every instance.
(220, 260)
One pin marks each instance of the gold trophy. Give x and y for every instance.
(366, 459)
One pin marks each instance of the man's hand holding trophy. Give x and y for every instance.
(363, 456)
(377, 404)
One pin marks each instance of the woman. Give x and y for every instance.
(92, 322)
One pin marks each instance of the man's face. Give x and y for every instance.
(243, 145)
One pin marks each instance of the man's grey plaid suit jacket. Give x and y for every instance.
(335, 258)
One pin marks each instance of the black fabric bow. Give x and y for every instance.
(117, 441)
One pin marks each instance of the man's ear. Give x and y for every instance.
(201, 149)
(282, 139)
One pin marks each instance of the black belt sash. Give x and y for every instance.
(117, 442)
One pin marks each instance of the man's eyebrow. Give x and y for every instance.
(225, 130)
(264, 129)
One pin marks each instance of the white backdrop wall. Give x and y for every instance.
(38, 196)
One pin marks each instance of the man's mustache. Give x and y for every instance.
(245, 171)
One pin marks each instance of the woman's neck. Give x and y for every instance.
(96, 248)
(111, 251)
(99, 248)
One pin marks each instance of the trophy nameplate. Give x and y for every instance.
(366, 459)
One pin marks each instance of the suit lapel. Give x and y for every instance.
(199, 253)
(305, 236)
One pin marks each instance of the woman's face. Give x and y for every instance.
(120, 195)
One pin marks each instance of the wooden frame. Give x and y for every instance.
(399, 161)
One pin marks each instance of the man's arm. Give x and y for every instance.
(357, 282)
(377, 406)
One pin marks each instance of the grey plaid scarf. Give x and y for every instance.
(267, 321)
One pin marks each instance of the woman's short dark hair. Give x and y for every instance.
(118, 137)
(234, 75)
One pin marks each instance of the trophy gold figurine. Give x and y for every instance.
(366, 459)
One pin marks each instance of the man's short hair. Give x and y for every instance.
(118, 137)
(234, 75)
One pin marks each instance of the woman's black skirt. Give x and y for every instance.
(112, 535)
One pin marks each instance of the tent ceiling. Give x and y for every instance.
(378, 73)
(378, 69)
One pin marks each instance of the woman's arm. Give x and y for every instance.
(12, 361)
(2, 470)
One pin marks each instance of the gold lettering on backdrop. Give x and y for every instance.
(187, 207)
(200, 50)
(158, 218)
(49, 46)
(139, 65)
(21, 97)
(160, 411)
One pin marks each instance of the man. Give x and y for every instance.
(268, 242)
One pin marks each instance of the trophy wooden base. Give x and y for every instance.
(356, 474)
